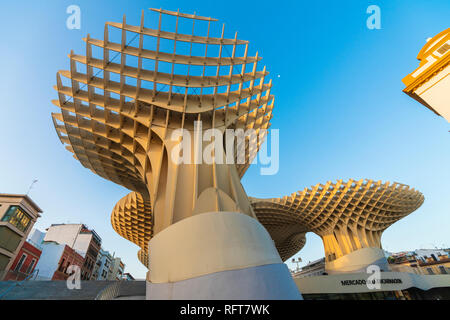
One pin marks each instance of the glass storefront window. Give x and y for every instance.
(380, 295)
(17, 217)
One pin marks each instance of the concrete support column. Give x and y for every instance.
(217, 255)
(358, 261)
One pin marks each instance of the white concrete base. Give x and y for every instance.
(217, 255)
(358, 261)
(268, 282)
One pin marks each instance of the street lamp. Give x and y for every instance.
(297, 262)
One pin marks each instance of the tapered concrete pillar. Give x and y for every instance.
(358, 261)
(353, 249)
(217, 255)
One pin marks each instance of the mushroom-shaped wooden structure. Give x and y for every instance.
(350, 217)
(128, 104)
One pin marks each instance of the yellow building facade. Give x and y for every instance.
(429, 84)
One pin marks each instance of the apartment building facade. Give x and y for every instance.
(117, 270)
(104, 266)
(18, 214)
(83, 240)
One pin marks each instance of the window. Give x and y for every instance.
(61, 266)
(92, 252)
(31, 266)
(444, 48)
(17, 217)
(430, 271)
(20, 263)
(67, 266)
(442, 270)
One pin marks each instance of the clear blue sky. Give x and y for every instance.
(339, 106)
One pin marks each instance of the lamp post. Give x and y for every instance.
(31, 186)
(297, 262)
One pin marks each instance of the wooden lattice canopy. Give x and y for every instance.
(347, 215)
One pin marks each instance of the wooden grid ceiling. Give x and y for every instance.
(353, 212)
(109, 107)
